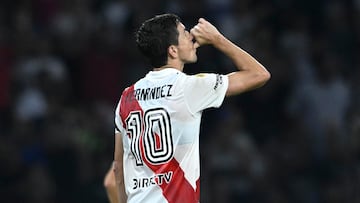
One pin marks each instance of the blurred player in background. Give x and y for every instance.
(110, 186)
(157, 119)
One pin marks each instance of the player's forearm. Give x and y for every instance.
(121, 192)
(119, 180)
(242, 60)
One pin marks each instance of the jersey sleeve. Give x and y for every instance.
(204, 91)
(118, 122)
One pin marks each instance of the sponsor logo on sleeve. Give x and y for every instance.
(219, 81)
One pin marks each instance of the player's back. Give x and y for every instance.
(161, 156)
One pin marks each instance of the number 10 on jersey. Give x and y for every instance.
(151, 136)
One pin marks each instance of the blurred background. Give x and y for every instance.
(64, 64)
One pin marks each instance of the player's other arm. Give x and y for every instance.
(118, 168)
(250, 75)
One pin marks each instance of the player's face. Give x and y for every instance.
(187, 51)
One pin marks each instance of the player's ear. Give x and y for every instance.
(173, 51)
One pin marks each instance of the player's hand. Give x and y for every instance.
(204, 33)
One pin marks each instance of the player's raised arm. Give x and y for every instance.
(250, 75)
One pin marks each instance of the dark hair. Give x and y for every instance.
(155, 36)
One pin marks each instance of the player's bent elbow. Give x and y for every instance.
(259, 79)
(240, 82)
(264, 76)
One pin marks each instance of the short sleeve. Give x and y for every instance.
(205, 90)
(118, 122)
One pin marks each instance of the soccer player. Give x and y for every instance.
(157, 119)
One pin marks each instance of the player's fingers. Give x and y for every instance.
(202, 20)
(195, 31)
(197, 28)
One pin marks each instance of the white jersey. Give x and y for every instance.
(159, 119)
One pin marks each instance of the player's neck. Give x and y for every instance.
(177, 66)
